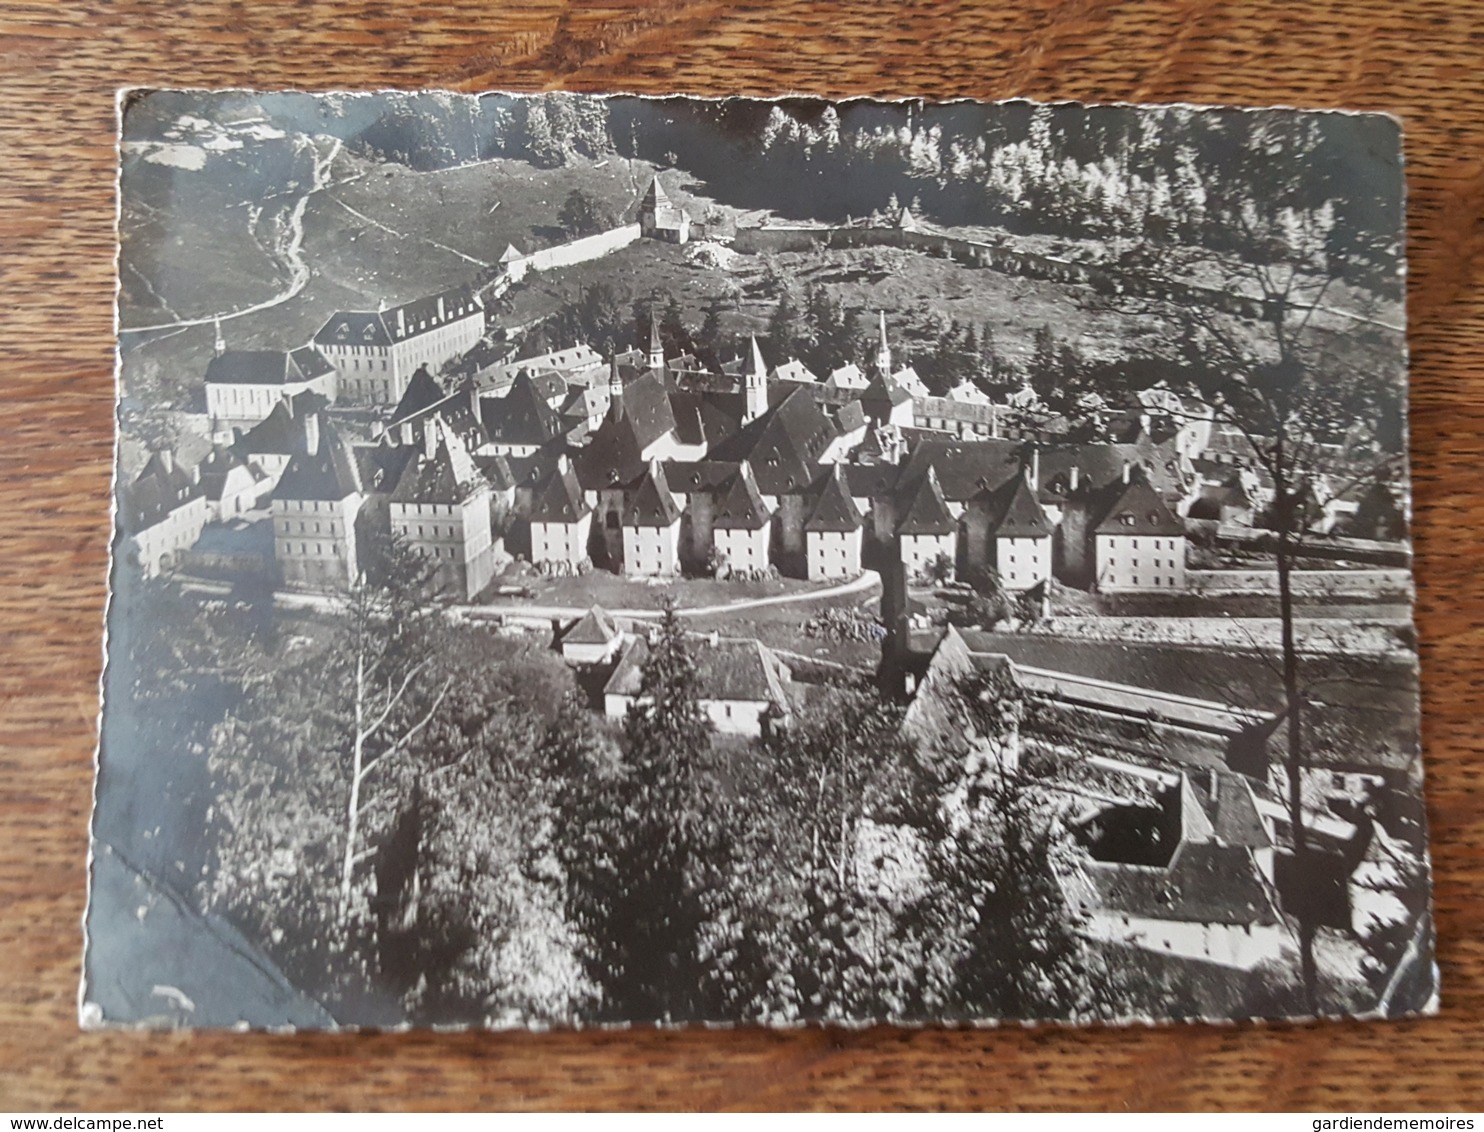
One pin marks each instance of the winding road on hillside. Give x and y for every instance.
(289, 247)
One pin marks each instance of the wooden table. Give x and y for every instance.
(59, 65)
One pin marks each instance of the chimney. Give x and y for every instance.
(196, 474)
(1033, 470)
(401, 323)
(430, 437)
(1072, 478)
(1125, 471)
(440, 308)
(167, 459)
(311, 433)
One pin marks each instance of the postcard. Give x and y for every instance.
(601, 561)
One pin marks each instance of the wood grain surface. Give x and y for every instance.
(60, 63)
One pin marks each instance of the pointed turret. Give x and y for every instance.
(656, 347)
(883, 349)
(755, 384)
(615, 389)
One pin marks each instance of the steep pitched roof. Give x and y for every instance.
(521, 417)
(1230, 808)
(328, 473)
(834, 510)
(666, 213)
(213, 471)
(399, 323)
(422, 392)
(706, 418)
(448, 476)
(690, 476)
(558, 499)
(595, 627)
(1014, 512)
(161, 487)
(883, 395)
(740, 507)
(277, 434)
(651, 504)
(965, 468)
(1205, 883)
(727, 670)
(927, 513)
(784, 444)
(381, 465)
(1134, 508)
(267, 367)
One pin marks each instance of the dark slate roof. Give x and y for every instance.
(783, 445)
(727, 670)
(824, 394)
(1205, 883)
(399, 323)
(522, 416)
(214, 469)
(871, 481)
(380, 466)
(277, 434)
(666, 213)
(927, 513)
(155, 493)
(1014, 512)
(595, 627)
(651, 505)
(496, 471)
(612, 456)
(1134, 508)
(740, 507)
(448, 476)
(965, 468)
(267, 367)
(834, 510)
(700, 475)
(423, 392)
(328, 473)
(706, 418)
(646, 406)
(851, 416)
(882, 395)
(558, 499)
(1230, 807)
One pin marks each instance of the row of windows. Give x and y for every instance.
(288, 528)
(1134, 581)
(319, 548)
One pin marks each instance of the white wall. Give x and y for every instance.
(1132, 563)
(651, 550)
(560, 542)
(833, 554)
(920, 550)
(744, 550)
(1023, 562)
(1229, 945)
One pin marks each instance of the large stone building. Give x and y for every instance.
(244, 386)
(376, 352)
(161, 514)
(743, 684)
(315, 507)
(441, 509)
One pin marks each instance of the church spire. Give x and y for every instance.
(883, 349)
(615, 388)
(656, 347)
(755, 383)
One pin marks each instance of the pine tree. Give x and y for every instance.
(785, 329)
(660, 851)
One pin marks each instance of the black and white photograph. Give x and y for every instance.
(602, 561)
